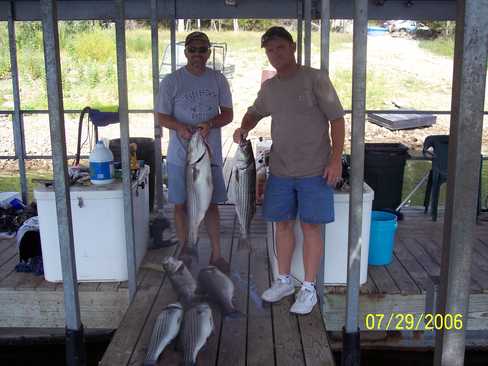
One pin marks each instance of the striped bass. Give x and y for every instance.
(165, 330)
(181, 279)
(197, 327)
(199, 186)
(219, 287)
(243, 189)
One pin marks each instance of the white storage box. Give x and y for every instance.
(98, 230)
(336, 242)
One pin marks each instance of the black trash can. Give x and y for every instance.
(384, 165)
(145, 151)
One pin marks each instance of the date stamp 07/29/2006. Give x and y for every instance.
(413, 321)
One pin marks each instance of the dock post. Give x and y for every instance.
(308, 31)
(18, 123)
(158, 130)
(469, 82)
(173, 35)
(324, 35)
(299, 31)
(124, 145)
(75, 351)
(351, 341)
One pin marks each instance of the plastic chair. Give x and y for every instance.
(436, 148)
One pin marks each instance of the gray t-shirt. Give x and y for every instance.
(192, 100)
(300, 107)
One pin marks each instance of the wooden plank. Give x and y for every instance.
(108, 286)
(46, 286)
(88, 286)
(401, 277)
(260, 327)
(125, 339)
(481, 248)
(166, 295)
(232, 350)
(335, 306)
(8, 267)
(422, 256)
(46, 309)
(7, 243)
(414, 269)
(434, 248)
(209, 355)
(288, 347)
(383, 280)
(316, 347)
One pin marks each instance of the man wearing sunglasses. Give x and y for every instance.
(305, 162)
(192, 99)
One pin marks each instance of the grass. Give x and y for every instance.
(88, 60)
(440, 46)
(10, 182)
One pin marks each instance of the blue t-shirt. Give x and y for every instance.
(192, 100)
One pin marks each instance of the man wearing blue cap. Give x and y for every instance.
(195, 97)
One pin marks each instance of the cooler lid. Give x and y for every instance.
(343, 196)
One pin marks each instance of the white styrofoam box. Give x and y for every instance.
(98, 230)
(336, 242)
(6, 197)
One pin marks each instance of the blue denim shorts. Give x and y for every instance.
(177, 184)
(311, 197)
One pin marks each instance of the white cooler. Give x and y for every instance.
(336, 237)
(98, 230)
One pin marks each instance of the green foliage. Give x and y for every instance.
(257, 25)
(441, 46)
(96, 46)
(4, 54)
(138, 41)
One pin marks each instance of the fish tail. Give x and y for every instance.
(244, 243)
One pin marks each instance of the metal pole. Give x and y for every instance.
(173, 35)
(124, 145)
(18, 123)
(469, 79)
(158, 130)
(75, 352)
(351, 349)
(324, 35)
(308, 32)
(299, 31)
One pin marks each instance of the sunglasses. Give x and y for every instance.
(197, 49)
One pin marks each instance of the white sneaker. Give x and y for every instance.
(305, 301)
(278, 290)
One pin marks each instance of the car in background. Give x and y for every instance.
(407, 27)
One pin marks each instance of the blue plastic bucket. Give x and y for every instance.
(381, 238)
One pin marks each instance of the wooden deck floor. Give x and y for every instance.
(264, 335)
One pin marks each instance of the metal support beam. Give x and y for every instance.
(324, 35)
(469, 79)
(173, 35)
(18, 123)
(299, 31)
(75, 353)
(351, 352)
(308, 31)
(158, 130)
(124, 145)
